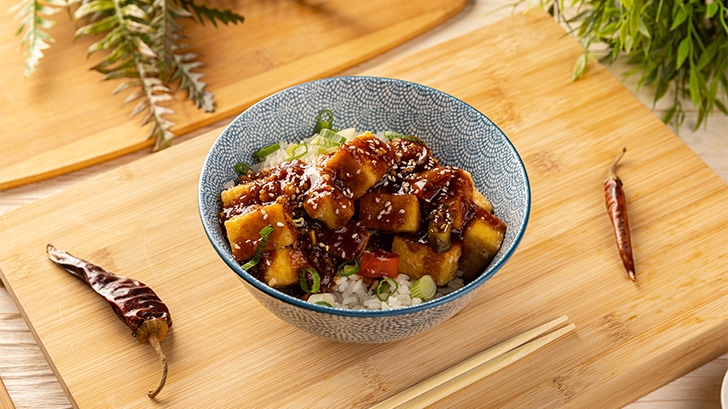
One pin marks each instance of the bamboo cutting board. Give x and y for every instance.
(226, 351)
(63, 118)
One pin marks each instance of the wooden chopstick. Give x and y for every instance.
(479, 366)
(5, 401)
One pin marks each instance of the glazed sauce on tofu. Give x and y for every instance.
(356, 199)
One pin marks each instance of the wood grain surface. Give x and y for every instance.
(63, 118)
(630, 339)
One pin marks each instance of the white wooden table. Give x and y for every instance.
(31, 383)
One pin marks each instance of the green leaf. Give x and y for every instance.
(643, 29)
(708, 54)
(694, 87)
(669, 114)
(627, 3)
(682, 51)
(579, 67)
(609, 30)
(712, 9)
(679, 18)
(721, 107)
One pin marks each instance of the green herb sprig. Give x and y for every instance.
(678, 45)
(143, 41)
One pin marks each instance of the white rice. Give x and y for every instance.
(352, 294)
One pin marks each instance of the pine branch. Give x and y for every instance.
(32, 37)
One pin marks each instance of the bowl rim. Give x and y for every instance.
(437, 302)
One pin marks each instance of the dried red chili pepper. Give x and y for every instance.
(132, 301)
(617, 209)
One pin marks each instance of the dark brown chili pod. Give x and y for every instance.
(617, 209)
(132, 301)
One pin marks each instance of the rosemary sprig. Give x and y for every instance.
(675, 45)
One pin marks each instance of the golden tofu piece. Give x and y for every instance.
(482, 201)
(279, 268)
(243, 230)
(328, 204)
(360, 163)
(390, 213)
(482, 239)
(230, 195)
(417, 259)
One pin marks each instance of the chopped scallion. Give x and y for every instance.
(299, 222)
(424, 288)
(321, 123)
(326, 299)
(242, 168)
(395, 135)
(304, 282)
(265, 233)
(300, 155)
(349, 267)
(381, 289)
(262, 153)
(332, 136)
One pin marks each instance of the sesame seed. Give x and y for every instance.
(279, 224)
(355, 235)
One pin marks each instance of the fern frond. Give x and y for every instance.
(213, 14)
(174, 65)
(32, 14)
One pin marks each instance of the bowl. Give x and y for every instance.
(459, 136)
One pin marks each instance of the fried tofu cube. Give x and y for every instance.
(360, 163)
(482, 201)
(328, 204)
(390, 213)
(482, 239)
(243, 230)
(417, 259)
(279, 268)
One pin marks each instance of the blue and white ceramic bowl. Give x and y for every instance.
(459, 136)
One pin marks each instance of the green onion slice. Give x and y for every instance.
(316, 280)
(348, 268)
(299, 222)
(380, 291)
(424, 288)
(300, 155)
(332, 136)
(262, 153)
(242, 168)
(264, 236)
(326, 299)
(323, 124)
(395, 135)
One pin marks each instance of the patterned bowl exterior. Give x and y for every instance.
(459, 136)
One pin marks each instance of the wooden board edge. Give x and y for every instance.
(226, 114)
(37, 339)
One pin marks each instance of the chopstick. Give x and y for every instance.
(5, 401)
(479, 366)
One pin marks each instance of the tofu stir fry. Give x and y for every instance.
(372, 206)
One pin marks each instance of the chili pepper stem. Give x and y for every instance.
(154, 342)
(613, 168)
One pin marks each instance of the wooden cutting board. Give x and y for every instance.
(63, 118)
(225, 350)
